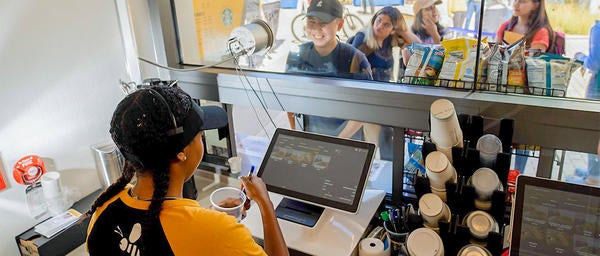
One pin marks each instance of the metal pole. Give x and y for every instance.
(478, 45)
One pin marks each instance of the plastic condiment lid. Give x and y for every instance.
(430, 205)
(442, 109)
(489, 144)
(485, 179)
(424, 241)
(480, 224)
(474, 250)
(436, 162)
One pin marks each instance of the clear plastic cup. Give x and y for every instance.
(489, 146)
(228, 200)
(397, 239)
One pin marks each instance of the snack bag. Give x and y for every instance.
(455, 53)
(426, 61)
(497, 67)
(419, 54)
(432, 65)
(517, 74)
(549, 74)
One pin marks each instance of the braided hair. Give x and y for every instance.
(139, 127)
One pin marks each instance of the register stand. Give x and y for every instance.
(335, 233)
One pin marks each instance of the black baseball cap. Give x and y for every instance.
(134, 121)
(325, 10)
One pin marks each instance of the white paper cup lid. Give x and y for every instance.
(436, 162)
(480, 224)
(473, 250)
(442, 109)
(485, 179)
(424, 241)
(430, 205)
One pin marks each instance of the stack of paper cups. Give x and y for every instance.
(52, 191)
(445, 129)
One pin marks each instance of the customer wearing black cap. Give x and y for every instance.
(159, 132)
(324, 54)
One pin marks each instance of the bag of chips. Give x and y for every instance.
(426, 62)
(549, 74)
(516, 75)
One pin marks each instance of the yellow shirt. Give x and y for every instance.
(117, 228)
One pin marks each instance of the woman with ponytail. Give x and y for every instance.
(159, 132)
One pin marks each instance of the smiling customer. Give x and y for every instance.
(324, 54)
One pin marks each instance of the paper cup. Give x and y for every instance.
(432, 210)
(485, 181)
(445, 130)
(235, 164)
(228, 193)
(439, 170)
(440, 193)
(424, 242)
(480, 224)
(474, 250)
(51, 185)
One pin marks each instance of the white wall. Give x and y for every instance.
(60, 62)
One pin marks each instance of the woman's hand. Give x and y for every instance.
(255, 189)
(430, 26)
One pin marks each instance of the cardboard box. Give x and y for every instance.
(32, 243)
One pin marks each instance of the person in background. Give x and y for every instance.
(427, 21)
(325, 55)
(387, 29)
(531, 21)
(473, 7)
(371, 5)
(159, 132)
(457, 9)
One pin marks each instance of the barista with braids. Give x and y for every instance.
(159, 132)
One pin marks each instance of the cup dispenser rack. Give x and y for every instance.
(461, 196)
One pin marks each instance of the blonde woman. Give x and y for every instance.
(386, 30)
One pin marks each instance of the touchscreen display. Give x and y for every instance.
(317, 170)
(556, 222)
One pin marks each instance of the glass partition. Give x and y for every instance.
(576, 167)
(253, 128)
(204, 26)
